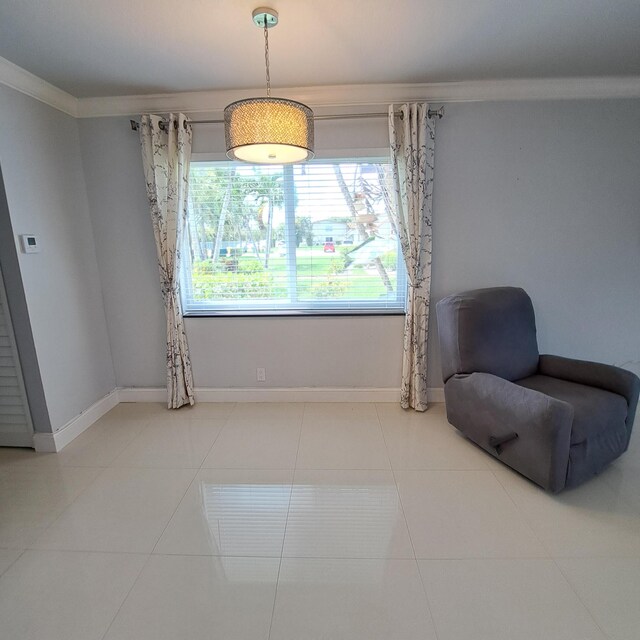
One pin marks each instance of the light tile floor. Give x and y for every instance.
(305, 522)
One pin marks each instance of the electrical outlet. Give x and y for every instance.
(261, 374)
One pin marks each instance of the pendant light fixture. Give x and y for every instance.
(268, 130)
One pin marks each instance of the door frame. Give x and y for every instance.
(24, 439)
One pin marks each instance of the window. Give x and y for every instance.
(310, 238)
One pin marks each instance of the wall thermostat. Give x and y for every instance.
(30, 244)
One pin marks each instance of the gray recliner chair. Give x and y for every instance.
(557, 421)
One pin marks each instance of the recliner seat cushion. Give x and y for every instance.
(595, 410)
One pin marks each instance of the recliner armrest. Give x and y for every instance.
(483, 406)
(595, 374)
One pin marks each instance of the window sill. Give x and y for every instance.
(293, 313)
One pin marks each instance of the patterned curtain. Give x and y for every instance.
(166, 153)
(412, 151)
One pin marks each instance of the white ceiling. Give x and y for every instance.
(125, 47)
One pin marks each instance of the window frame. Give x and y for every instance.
(264, 307)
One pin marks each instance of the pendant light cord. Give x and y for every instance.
(266, 55)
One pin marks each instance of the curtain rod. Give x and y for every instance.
(432, 113)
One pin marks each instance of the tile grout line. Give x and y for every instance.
(386, 450)
(286, 522)
(438, 559)
(550, 555)
(395, 482)
(522, 514)
(133, 584)
(295, 462)
(196, 472)
(150, 555)
(22, 551)
(145, 425)
(91, 551)
(173, 513)
(213, 444)
(580, 600)
(101, 471)
(404, 515)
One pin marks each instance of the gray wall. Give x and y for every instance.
(296, 352)
(542, 195)
(546, 196)
(125, 251)
(46, 194)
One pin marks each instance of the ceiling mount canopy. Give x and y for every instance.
(268, 130)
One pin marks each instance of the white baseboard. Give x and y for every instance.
(53, 442)
(290, 394)
(298, 394)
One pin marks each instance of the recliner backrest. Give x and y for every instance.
(490, 331)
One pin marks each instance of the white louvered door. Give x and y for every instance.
(15, 421)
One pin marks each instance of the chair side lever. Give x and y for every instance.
(498, 442)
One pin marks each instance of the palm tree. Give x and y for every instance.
(224, 210)
(362, 231)
(268, 192)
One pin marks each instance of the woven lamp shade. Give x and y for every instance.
(268, 131)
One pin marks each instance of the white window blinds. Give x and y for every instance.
(315, 237)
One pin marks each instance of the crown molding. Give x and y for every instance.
(336, 96)
(372, 95)
(25, 82)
